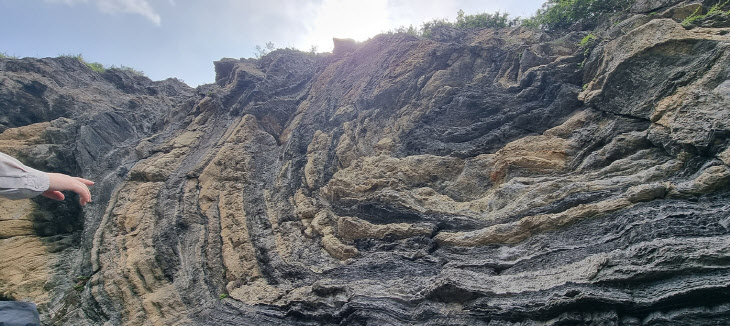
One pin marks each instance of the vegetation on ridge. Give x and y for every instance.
(697, 16)
(98, 67)
(562, 14)
(554, 15)
(262, 51)
(5, 55)
(95, 66)
(463, 21)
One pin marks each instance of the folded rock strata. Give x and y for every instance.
(503, 177)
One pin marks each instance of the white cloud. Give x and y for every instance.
(139, 7)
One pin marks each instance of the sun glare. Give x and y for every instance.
(354, 19)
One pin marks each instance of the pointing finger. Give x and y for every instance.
(83, 191)
(86, 182)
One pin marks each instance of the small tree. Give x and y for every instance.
(483, 20)
(262, 51)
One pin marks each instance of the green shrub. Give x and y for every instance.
(588, 41)
(98, 67)
(463, 21)
(129, 69)
(222, 296)
(5, 55)
(587, 44)
(554, 15)
(428, 27)
(698, 16)
(695, 16)
(73, 56)
(717, 8)
(562, 14)
(95, 66)
(483, 20)
(413, 30)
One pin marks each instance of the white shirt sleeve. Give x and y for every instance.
(18, 181)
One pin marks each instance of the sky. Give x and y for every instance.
(182, 38)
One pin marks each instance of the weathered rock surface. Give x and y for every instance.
(504, 177)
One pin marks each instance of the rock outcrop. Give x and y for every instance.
(500, 177)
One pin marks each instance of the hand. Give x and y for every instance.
(60, 182)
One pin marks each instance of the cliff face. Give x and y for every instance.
(482, 177)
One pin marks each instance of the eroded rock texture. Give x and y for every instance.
(491, 177)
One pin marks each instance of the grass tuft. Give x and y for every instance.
(129, 69)
(5, 55)
(95, 66)
(697, 16)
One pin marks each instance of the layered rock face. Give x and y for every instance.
(484, 177)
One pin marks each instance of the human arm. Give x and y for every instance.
(59, 182)
(18, 181)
